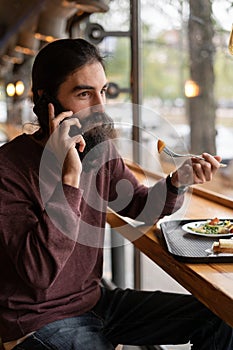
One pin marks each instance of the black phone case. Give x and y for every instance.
(41, 110)
(41, 107)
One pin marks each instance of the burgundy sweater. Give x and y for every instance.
(51, 236)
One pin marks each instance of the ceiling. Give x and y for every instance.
(27, 24)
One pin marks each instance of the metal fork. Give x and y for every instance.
(171, 153)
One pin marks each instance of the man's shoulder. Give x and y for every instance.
(15, 150)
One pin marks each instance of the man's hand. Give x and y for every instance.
(64, 147)
(196, 171)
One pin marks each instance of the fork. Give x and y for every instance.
(171, 153)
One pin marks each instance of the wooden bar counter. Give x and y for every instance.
(211, 283)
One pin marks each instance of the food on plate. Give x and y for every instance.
(160, 146)
(214, 221)
(223, 246)
(214, 226)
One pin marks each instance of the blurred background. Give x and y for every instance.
(170, 68)
(171, 57)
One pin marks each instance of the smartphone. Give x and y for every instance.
(41, 107)
(41, 110)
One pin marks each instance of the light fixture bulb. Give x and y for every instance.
(10, 89)
(19, 88)
(191, 89)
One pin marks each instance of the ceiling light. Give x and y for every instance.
(52, 22)
(19, 88)
(13, 57)
(27, 43)
(88, 5)
(192, 89)
(10, 89)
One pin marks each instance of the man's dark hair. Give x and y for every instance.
(57, 60)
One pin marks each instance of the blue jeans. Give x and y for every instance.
(135, 318)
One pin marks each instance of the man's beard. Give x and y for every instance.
(96, 129)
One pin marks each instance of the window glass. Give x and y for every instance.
(167, 67)
(170, 106)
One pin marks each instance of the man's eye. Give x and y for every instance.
(84, 94)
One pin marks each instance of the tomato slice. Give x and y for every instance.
(214, 221)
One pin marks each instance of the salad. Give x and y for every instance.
(214, 226)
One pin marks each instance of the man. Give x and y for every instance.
(53, 200)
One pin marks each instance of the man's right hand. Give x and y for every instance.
(64, 146)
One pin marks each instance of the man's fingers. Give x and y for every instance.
(80, 141)
(51, 111)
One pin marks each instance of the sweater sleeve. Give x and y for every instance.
(38, 240)
(148, 204)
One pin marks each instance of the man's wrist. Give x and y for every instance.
(174, 189)
(68, 179)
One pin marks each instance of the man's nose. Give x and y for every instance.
(99, 105)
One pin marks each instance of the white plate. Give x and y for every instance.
(196, 224)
